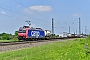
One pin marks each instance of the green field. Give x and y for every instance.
(8, 40)
(66, 50)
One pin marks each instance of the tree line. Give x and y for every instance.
(6, 36)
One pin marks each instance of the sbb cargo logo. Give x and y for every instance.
(35, 33)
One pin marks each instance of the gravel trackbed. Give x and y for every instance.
(8, 47)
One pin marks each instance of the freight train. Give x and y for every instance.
(27, 33)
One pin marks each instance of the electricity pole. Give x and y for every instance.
(52, 26)
(85, 30)
(76, 31)
(69, 29)
(79, 27)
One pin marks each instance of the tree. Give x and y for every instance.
(5, 36)
(16, 33)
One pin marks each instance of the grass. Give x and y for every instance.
(67, 50)
(8, 40)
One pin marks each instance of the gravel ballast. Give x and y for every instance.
(26, 45)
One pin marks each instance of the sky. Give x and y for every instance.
(14, 13)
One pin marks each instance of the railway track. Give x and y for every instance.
(9, 46)
(25, 42)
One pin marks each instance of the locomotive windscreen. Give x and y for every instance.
(22, 31)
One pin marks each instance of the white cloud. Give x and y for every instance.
(27, 10)
(2, 12)
(39, 8)
(77, 15)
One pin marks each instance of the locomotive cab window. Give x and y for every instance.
(22, 31)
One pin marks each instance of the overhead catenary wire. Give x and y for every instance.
(63, 25)
(16, 13)
(19, 3)
(14, 17)
(28, 8)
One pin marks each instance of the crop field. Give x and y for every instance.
(78, 49)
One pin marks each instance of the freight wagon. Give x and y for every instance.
(63, 35)
(27, 33)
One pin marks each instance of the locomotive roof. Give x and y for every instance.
(35, 29)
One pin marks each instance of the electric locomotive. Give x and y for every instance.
(27, 33)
